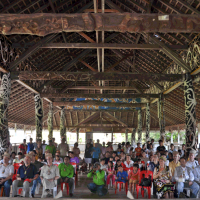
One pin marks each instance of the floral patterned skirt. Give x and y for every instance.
(162, 187)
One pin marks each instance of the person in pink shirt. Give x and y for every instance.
(110, 172)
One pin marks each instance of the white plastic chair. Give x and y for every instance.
(23, 194)
(54, 189)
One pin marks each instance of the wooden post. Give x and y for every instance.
(198, 126)
(112, 135)
(77, 134)
(139, 125)
(178, 136)
(133, 137)
(5, 89)
(50, 121)
(161, 117)
(126, 135)
(147, 121)
(62, 124)
(38, 116)
(190, 113)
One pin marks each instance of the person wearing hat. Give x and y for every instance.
(49, 176)
(197, 171)
(173, 164)
(51, 147)
(25, 176)
(192, 163)
(6, 173)
(98, 180)
(184, 177)
(164, 187)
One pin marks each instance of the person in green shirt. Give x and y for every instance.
(51, 148)
(66, 173)
(98, 180)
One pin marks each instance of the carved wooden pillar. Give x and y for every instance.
(139, 125)
(147, 121)
(161, 117)
(77, 134)
(62, 124)
(38, 116)
(133, 137)
(4, 102)
(50, 121)
(126, 135)
(190, 113)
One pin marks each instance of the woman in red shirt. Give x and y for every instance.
(23, 146)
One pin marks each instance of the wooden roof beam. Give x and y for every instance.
(65, 23)
(105, 88)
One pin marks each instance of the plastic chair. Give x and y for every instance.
(16, 167)
(20, 191)
(2, 192)
(138, 187)
(120, 186)
(67, 187)
(54, 191)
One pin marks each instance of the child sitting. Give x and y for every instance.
(117, 165)
(110, 172)
(134, 177)
(122, 176)
(83, 167)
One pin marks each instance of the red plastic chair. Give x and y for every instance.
(120, 186)
(67, 187)
(138, 187)
(16, 167)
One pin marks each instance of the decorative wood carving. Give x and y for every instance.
(42, 24)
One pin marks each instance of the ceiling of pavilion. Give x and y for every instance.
(21, 108)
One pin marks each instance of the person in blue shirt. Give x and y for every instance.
(122, 176)
(30, 145)
(95, 154)
(26, 174)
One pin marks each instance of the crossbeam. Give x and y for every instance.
(93, 76)
(110, 46)
(102, 88)
(97, 103)
(82, 95)
(42, 24)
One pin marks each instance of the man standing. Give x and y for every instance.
(6, 173)
(161, 149)
(184, 172)
(38, 166)
(63, 148)
(49, 175)
(30, 145)
(192, 163)
(54, 143)
(67, 172)
(175, 163)
(98, 144)
(98, 180)
(25, 176)
(23, 146)
(51, 147)
(95, 154)
(183, 150)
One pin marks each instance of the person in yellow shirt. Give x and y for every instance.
(175, 163)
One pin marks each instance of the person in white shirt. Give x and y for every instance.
(197, 171)
(128, 163)
(6, 173)
(19, 159)
(63, 147)
(44, 147)
(192, 163)
(102, 164)
(185, 178)
(128, 146)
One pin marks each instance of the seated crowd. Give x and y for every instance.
(51, 164)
